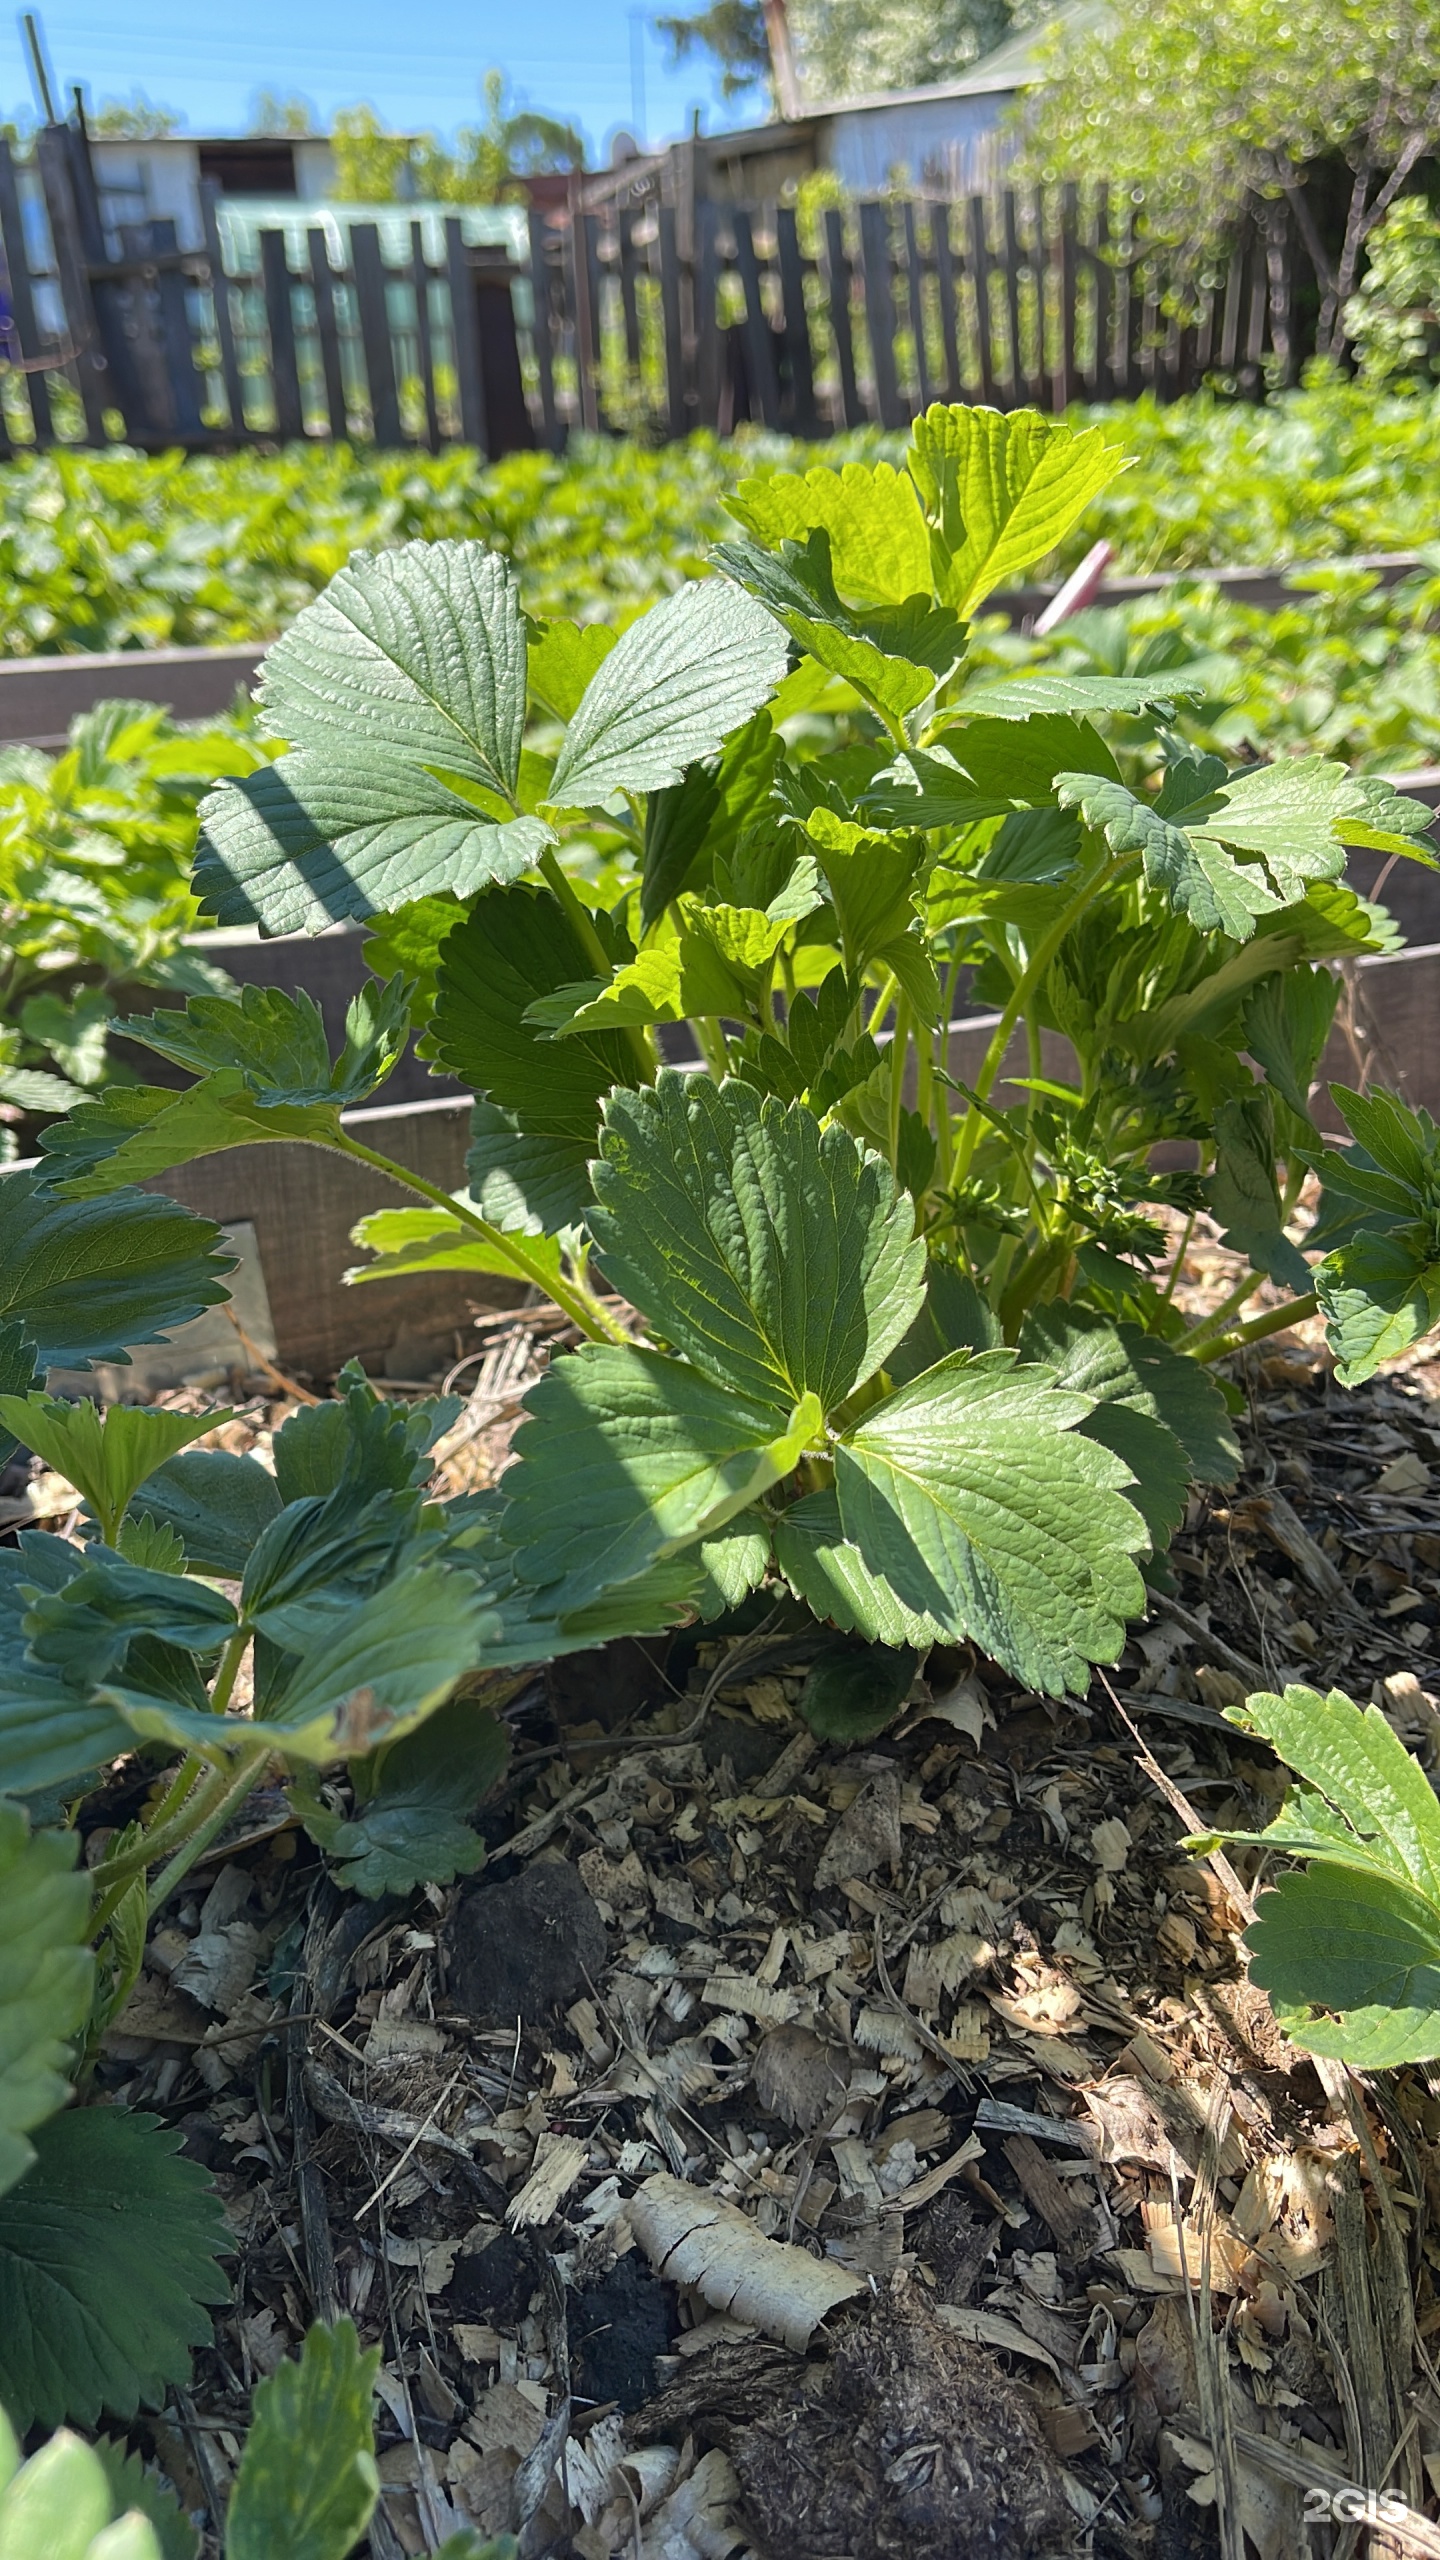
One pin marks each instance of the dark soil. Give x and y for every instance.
(908, 2445)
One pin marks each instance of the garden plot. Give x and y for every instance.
(613, 2142)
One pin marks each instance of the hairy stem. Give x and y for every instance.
(578, 1303)
(1274, 1320)
(554, 874)
(1025, 989)
(210, 1821)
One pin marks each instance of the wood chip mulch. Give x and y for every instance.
(788, 2149)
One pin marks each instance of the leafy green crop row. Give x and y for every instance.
(114, 550)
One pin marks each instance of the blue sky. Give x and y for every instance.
(420, 63)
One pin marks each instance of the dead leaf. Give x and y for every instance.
(693, 2239)
(1404, 1475)
(1110, 1844)
(967, 1707)
(797, 2077)
(867, 1835)
(992, 2329)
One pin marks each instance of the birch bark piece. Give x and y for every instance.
(692, 2239)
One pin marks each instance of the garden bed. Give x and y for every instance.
(955, 2009)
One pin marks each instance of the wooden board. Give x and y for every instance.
(302, 1204)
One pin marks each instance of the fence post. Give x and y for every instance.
(838, 280)
(880, 311)
(707, 326)
(474, 426)
(758, 340)
(424, 347)
(1064, 379)
(220, 300)
(280, 320)
(540, 325)
(944, 258)
(22, 300)
(375, 332)
(322, 285)
(915, 290)
(1012, 297)
(797, 323)
(52, 152)
(979, 262)
(507, 419)
(581, 304)
(671, 322)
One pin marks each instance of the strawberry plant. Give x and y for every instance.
(1347, 1941)
(690, 911)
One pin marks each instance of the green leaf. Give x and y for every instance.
(419, 651)
(135, 1132)
(405, 1241)
(1197, 875)
(1002, 491)
(827, 1571)
(312, 841)
(525, 1184)
(626, 1456)
(1243, 1192)
(1358, 1934)
(895, 653)
(307, 2482)
(375, 1670)
(1025, 697)
(776, 1256)
(137, 2489)
(1403, 1142)
(17, 1375)
(409, 1826)
(563, 658)
(879, 546)
(88, 1279)
(58, 2506)
(106, 1455)
(46, 1976)
(853, 1691)
(107, 2253)
(954, 1317)
(1096, 1359)
(1378, 1295)
(50, 1729)
(84, 1628)
(677, 822)
(516, 946)
(1287, 1023)
(357, 1438)
(278, 1042)
(216, 1503)
(974, 1496)
(670, 691)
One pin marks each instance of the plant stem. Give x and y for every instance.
(1274, 1320)
(1032, 978)
(1220, 1316)
(899, 1051)
(583, 1309)
(212, 1817)
(554, 874)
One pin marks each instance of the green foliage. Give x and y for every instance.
(1393, 321)
(1348, 1943)
(136, 2489)
(60, 2505)
(408, 1826)
(307, 2482)
(857, 1331)
(107, 1456)
(46, 1976)
(1267, 88)
(107, 2256)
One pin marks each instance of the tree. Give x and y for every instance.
(487, 164)
(1208, 110)
(136, 118)
(849, 47)
(732, 33)
(272, 113)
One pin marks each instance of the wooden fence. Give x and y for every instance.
(639, 309)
